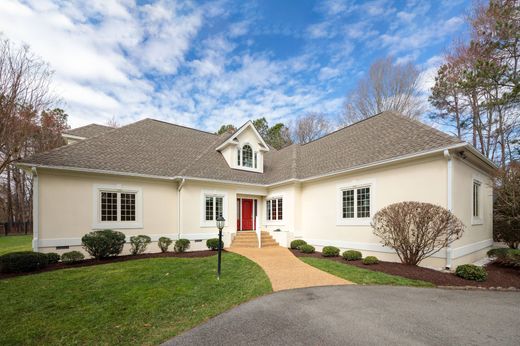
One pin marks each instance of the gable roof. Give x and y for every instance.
(156, 148)
(88, 131)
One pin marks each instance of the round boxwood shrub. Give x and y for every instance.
(498, 252)
(23, 261)
(181, 245)
(352, 255)
(72, 257)
(370, 260)
(471, 272)
(53, 257)
(330, 251)
(103, 244)
(307, 248)
(164, 243)
(212, 244)
(139, 243)
(295, 244)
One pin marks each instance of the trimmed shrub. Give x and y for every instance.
(164, 243)
(511, 258)
(471, 272)
(370, 260)
(53, 257)
(72, 257)
(352, 255)
(330, 251)
(23, 261)
(181, 245)
(497, 252)
(212, 244)
(307, 248)
(103, 244)
(139, 243)
(295, 244)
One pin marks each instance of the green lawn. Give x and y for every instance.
(135, 302)
(14, 243)
(362, 276)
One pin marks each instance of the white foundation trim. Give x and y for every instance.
(77, 241)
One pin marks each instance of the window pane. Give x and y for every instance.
(128, 207)
(247, 154)
(209, 208)
(273, 209)
(280, 209)
(268, 210)
(476, 193)
(256, 159)
(219, 204)
(238, 158)
(363, 202)
(348, 204)
(108, 206)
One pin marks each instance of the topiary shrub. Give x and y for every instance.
(370, 260)
(164, 243)
(53, 257)
(352, 255)
(497, 252)
(511, 258)
(103, 244)
(295, 244)
(72, 257)
(471, 272)
(139, 243)
(306, 248)
(24, 261)
(212, 244)
(330, 251)
(181, 245)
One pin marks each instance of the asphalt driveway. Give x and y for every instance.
(366, 315)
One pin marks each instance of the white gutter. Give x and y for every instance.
(179, 205)
(447, 156)
(36, 209)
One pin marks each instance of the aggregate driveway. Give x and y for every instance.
(366, 315)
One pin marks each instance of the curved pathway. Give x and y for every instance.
(285, 270)
(366, 315)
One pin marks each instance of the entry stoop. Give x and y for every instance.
(249, 239)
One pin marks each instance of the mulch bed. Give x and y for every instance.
(93, 261)
(497, 276)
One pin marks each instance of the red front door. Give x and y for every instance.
(247, 222)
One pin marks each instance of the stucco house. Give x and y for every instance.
(161, 179)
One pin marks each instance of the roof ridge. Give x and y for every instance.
(199, 156)
(185, 127)
(428, 127)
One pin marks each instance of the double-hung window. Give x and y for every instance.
(117, 207)
(274, 209)
(355, 205)
(213, 206)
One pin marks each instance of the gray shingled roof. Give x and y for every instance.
(88, 131)
(153, 147)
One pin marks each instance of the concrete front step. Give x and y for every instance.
(249, 239)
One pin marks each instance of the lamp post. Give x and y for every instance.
(220, 225)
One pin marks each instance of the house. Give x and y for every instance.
(161, 179)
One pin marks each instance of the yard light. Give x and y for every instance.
(220, 225)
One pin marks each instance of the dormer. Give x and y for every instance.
(245, 149)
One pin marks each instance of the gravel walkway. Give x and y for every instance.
(285, 270)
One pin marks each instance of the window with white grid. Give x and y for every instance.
(355, 204)
(274, 209)
(213, 208)
(116, 207)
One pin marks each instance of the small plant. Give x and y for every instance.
(164, 243)
(53, 257)
(370, 260)
(103, 244)
(139, 243)
(295, 244)
(471, 272)
(212, 244)
(330, 251)
(306, 248)
(352, 255)
(24, 261)
(511, 258)
(497, 252)
(72, 257)
(181, 245)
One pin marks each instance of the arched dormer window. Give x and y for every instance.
(247, 156)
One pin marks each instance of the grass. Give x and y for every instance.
(141, 302)
(15, 243)
(362, 276)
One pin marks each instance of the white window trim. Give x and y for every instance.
(96, 207)
(241, 164)
(284, 211)
(477, 220)
(355, 221)
(212, 193)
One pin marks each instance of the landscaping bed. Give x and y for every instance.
(497, 276)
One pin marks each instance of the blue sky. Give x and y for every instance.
(203, 64)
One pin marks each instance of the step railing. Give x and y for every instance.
(258, 232)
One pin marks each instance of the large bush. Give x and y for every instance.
(72, 257)
(164, 243)
(181, 245)
(306, 248)
(330, 251)
(53, 257)
(24, 261)
(212, 244)
(416, 230)
(138, 244)
(471, 272)
(506, 208)
(352, 255)
(497, 252)
(103, 244)
(295, 244)
(510, 258)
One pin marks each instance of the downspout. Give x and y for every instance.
(448, 157)
(179, 207)
(36, 209)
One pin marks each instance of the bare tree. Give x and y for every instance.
(310, 127)
(112, 122)
(388, 86)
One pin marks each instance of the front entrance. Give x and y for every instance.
(246, 214)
